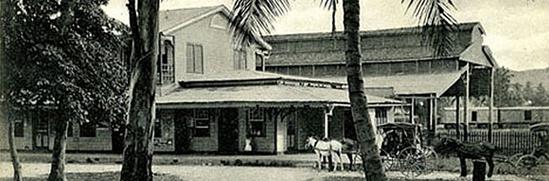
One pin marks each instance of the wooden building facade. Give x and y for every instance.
(504, 117)
(398, 59)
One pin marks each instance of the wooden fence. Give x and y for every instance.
(507, 141)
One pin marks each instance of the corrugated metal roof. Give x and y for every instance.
(399, 44)
(413, 84)
(259, 94)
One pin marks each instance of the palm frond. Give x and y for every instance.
(252, 18)
(437, 21)
(332, 6)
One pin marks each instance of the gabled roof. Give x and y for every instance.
(401, 44)
(175, 19)
(169, 19)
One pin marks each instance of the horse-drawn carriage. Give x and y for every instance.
(402, 149)
(537, 161)
(400, 144)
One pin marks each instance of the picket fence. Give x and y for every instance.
(507, 141)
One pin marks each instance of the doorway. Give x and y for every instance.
(228, 131)
(40, 131)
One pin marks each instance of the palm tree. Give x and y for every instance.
(256, 17)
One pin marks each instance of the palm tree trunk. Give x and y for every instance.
(138, 150)
(57, 171)
(365, 130)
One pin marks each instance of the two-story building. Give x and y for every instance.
(399, 58)
(210, 98)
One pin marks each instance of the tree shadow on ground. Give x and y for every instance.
(99, 176)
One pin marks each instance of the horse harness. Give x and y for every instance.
(318, 149)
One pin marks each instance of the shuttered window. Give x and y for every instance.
(240, 60)
(195, 58)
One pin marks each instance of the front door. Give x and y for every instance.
(228, 131)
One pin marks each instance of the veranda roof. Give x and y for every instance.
(263, 95)
(413, 84)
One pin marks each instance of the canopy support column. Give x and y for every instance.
(466, 104)
(328, 111)
(412, 110)
(491, 106)
(458, 124)
(435, 112)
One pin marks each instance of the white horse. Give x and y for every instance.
(324, 149)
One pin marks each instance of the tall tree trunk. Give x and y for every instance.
(138, 150)
(373, 170)
(57, 171)
(4, 113)
(17, 175)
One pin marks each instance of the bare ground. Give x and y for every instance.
(99, 172)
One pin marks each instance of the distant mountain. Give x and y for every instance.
(535, 76)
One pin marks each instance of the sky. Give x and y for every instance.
(517, 31)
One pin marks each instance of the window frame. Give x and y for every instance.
(191, 58)
(528, 115)
(201, 115)
(474, 116)
(381, 115)
(84, 126)
(19, 128)
(70, 130)
(240, 59)
(166, 65)
(158, 127)
(257, 116)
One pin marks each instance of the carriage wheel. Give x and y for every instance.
(505, 168)
(388, 160)
(411, 162)
(430, 159)
(514, 158)
(528, 165)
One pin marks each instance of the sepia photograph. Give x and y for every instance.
(274, 90)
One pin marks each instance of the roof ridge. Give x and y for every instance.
(461, 26)
(198, 7)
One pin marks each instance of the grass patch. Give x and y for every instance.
(99, 176)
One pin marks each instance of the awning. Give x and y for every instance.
(412, 84)
(263, 95)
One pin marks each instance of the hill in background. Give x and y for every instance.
(534, 76)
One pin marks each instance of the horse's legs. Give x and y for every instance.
(340, 159)
(491, 165)
(319, 161)
(330, 162)
(350, 156)
(463, 165)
